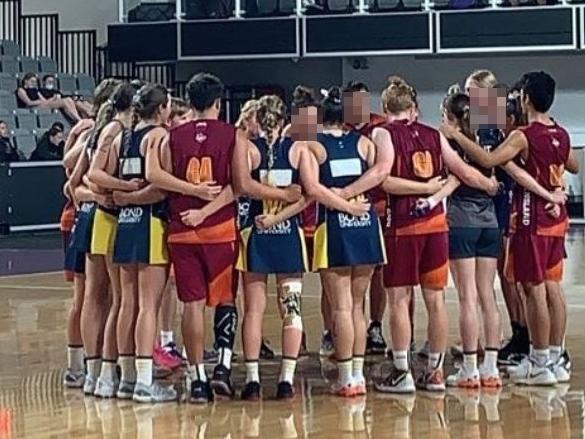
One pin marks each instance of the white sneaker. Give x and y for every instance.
(465, 379)
(529, 374)
(490, 378)
(89, 385)
(105, 388)
(74, 379)
(398, 381)
(562, 368)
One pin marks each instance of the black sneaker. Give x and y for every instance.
(221, 382)
(285, 391)
(375, 344)
(252, 391)
(201, 393)
(266, 352)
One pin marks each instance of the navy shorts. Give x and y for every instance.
(474, 242)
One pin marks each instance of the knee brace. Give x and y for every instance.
(225, 325)
(290, 297)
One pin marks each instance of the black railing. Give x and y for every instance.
(9, 19)
(38, 35)
(77, 51)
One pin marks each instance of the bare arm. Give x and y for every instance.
(27, 101)
(572, 164)
(267, 221)
(79, 170)
(149, 194)
(72, 151)
(525, 180)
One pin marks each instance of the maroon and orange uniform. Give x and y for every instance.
(537, 239)
(424, 242)
(204, 257)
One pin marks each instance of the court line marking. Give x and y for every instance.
(16, 276)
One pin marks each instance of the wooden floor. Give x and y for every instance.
(33, 403)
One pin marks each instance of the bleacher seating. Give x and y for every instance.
(25, 119)
(268, 7)
(8, 47)
(28, 64)
(10, 65)
(25, 141)
(339, 6)
(85, 85)
(8, 82)
(46, 119)
(47, 65)
(7, 100)
(8, 117)
(67, 84)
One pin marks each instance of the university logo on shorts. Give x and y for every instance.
(199, 170)
(422, 162)
(130, 215)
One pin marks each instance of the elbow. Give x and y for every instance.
(312, 191)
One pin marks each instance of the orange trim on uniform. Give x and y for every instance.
(559, 230)
(221, 289)
(435, 279)
(555, 273)
(218, 234)
(380, 207)
(508, 263)
(435, 224)
(67, 219)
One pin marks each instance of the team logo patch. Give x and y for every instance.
(422, 162)
(200, 137)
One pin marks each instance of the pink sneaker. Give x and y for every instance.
(164, 358)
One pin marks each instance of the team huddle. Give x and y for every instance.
(377, 203)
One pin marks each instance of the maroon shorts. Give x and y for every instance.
(534, 258)
(417, 260)
(205, 271)
(310, 243)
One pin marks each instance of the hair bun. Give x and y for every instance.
(334, 94)
(454, 89)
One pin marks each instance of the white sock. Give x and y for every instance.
(531, 351)
(345, 369)
(470, 361)
(358, 368)
(287, 371)
(436, 360)
(184, 352)
(144, 371)
(555, 353)
(108, 371)
(490, 360)
(75, 358)
(166, 337)
(400, 359)
(541, 357)
(252, 372)
(94, 366)
(197, 372)
(127, 368)
(225, 358)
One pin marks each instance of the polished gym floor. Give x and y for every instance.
(33, 403)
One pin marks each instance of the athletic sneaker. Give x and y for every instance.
(105, 388)
(562, 368)
(285, 391)
(375, 343)
(266, 352)
(200, 392)
(74, 379)
(221, 382)
(154, 393)
(360, 387)
(125, 390)
(530, 374)
(518, 345)
(327, 348)
(431, 380)
(165, 358)
(465, 379)
(490, 378)
(252, 391)
(398, 381)
(210, 356)
(89, 385)
(344, 390)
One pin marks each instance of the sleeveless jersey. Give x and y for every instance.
(202, 151)
(549, 147)
(417, 157)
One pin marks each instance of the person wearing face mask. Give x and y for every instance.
(50, 147)
(8, 152)
(50, 92)
(28, 95)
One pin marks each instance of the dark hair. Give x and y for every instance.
(353, 86)
(540, 89)
(303, 97)
(55, 129)
(148, 100)
(457, 107)
(3, 121)
(27, 77)
(332, 107)
(203, 90)
(48, 75)
(178, 107)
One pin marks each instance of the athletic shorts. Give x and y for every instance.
(74, 260)
(534, 258)
(205, 271)
(474, 242)
(417, 260)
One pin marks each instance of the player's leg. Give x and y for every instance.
(326, 347)
(375, 342)
(166, 354)
(360, 280)
(75, 373)
(126, 328)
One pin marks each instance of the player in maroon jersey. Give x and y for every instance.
(537, 227)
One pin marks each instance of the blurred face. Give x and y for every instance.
(32, 83)
(356, 107)
(3, 130)
(487, 107)
(305, 124)
(50, 83)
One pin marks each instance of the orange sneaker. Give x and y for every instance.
(344, 390)
(465, 379)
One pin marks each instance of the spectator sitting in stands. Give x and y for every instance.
(50, 92)
(50, 146)
(28, 96)
(8, 152)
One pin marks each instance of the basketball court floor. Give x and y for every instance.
(34, 300)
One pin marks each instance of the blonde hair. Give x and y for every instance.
(483, 78)
(271, 114)
(398, 96)
(247, 112)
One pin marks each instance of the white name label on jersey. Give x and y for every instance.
(277, 177)
(131, 166)
(345, 167)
